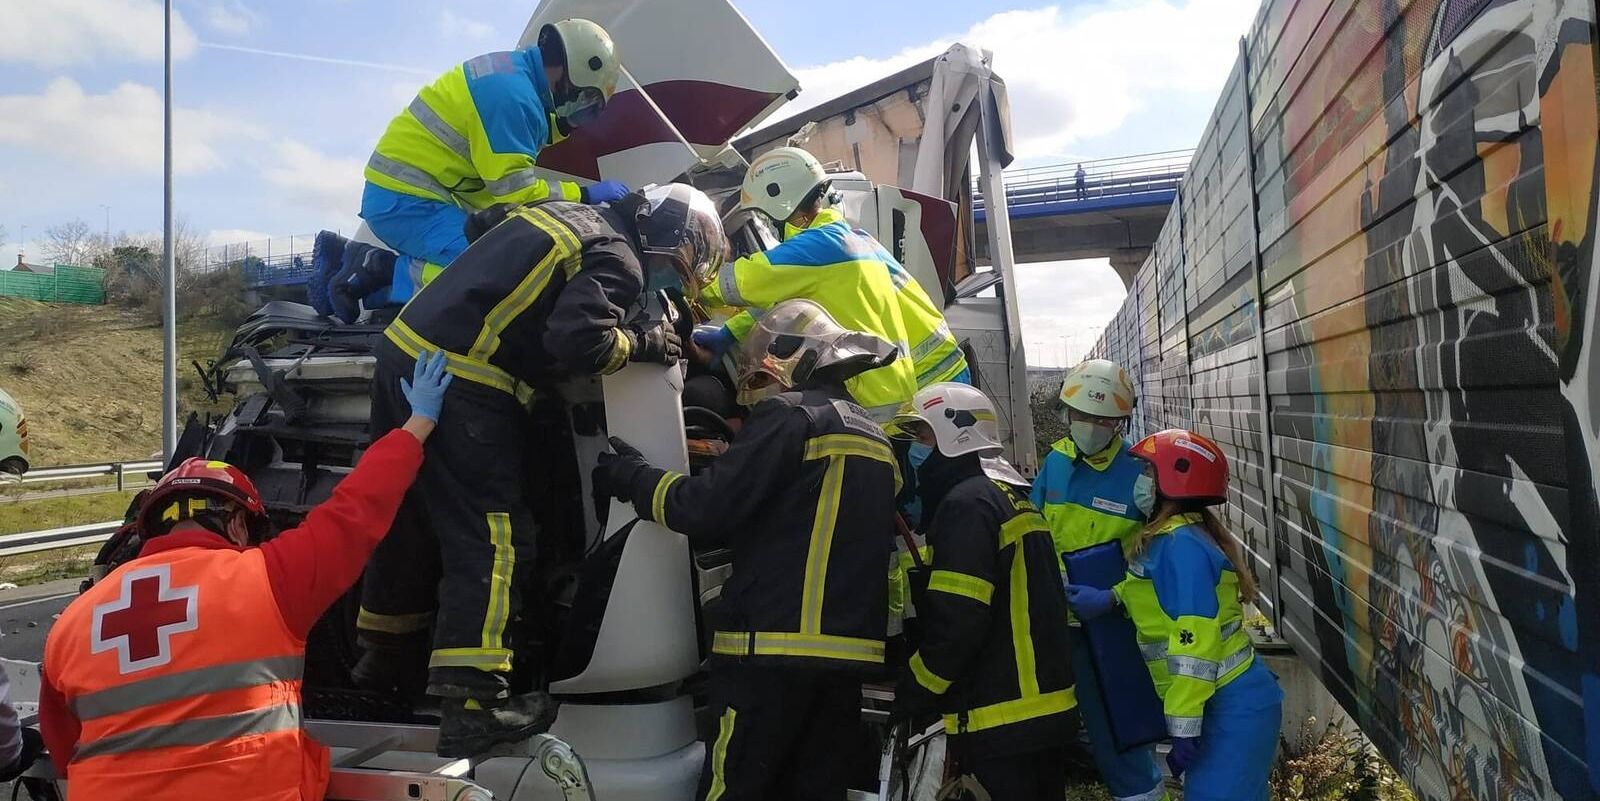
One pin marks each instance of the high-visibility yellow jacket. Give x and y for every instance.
(1183, 596)
(471, 137)
(851, 275)
(1088, 499)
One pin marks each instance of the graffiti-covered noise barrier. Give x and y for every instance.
(1376, 290)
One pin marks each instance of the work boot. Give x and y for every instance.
(468, 727)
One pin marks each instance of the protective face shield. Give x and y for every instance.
(681, 235)
(797, 341)
(591, 73)
(961, 417)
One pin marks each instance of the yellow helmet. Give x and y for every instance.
(780, 181)
(1099, 387)
(592, 69)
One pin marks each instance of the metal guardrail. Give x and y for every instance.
(54, 538)
(120, 470)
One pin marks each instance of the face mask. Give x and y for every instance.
(1089, 437)
(918, 454)
(1144, 494)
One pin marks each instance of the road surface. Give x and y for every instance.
(26, 615)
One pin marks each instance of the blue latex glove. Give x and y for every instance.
(605, 192)
(1089, 602)
(425, 390)
(715, 338)
(1184, 751)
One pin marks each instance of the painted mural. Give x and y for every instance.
(1396, 346)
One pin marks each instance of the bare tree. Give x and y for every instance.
(72, 242)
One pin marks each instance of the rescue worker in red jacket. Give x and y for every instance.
(178, 674)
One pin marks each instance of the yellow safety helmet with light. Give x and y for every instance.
(592, 69)
(781, 181)
(798, 342)
(14, 452)
(1098, 387)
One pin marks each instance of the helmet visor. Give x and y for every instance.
(585, 106)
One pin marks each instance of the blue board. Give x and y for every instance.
(1132, 706)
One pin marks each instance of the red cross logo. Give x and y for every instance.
(140, 623)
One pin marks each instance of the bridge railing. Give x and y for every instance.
(279, 261)
(1128, 175)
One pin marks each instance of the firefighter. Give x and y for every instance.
(846, 271)
(551, 291)
(19, 745)
(470, 139)
(804, 497)
(995, 653)
(1186, 585)
(178, 674)
(1085, 491)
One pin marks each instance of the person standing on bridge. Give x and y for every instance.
(469, 141)
(1087, 490)
(1186, 585)
(1078, 179)
(178, 674)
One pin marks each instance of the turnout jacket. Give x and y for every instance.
(543, 293)
(804, 497)
(995, 657)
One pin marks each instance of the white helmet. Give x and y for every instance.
(781, 181)
(1098, 387)
(962, 419)
(13, 437)
(592, 69)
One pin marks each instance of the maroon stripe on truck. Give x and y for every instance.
(708, 113)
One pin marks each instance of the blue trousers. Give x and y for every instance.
(1238, 739)
(420, 230)
(1130, 775)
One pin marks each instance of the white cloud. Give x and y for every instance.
(453, 24)
(231, 17)
(329, 186)
(60, 33)
(229, 236)
(1065, 305)
(1079, 73)
(118, 131)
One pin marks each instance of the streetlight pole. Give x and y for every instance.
(169, 299)
(107, 210)
(22, 242)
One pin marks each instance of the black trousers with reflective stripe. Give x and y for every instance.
(782, 733)
(1036, 776)
(464, 537)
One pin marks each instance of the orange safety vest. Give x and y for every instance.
(186, 681)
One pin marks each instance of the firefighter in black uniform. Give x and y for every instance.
(805, 498)
(995, 657)
(552, 289)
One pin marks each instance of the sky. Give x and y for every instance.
(279, 103)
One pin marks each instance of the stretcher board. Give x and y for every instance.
(1132, 707)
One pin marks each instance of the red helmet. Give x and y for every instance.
(1188, 466)
(191, 487)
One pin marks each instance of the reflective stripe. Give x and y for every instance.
(658, 503)
(1153, 651)
(728, 282)
(1183, 726)
(497, 660)
(1229, 630)
(562, 247)
(1013, 530)
(961, 584)
(621, 349)
(821, 545)
(513, 183)
(1017, 711)
(409, 175)
(719, 754)
(186, 684)
(942, 369)
(441, 130)
(498, 609)
(933, 682)
(472, 370)
(1234, 660)
(931, 342)
(822, 646)
(848, 445)
(199, 731)
(1191, 666)
(1022, 625)
(393, 624)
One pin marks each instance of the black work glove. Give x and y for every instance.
(32, 744)
(479, 222)
(615, 473)
(657, 344)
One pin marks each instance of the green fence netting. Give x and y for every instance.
(68, 284)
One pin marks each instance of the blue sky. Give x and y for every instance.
(273, 146)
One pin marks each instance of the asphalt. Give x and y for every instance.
(26, 614)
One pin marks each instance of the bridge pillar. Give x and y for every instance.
(1127, 261)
